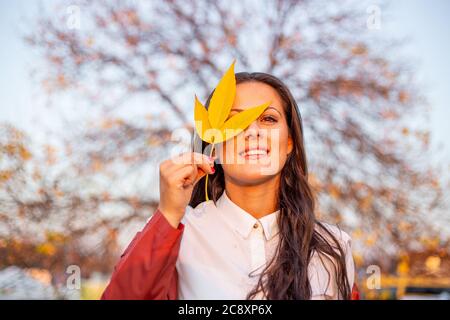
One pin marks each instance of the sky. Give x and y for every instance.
(424, 23)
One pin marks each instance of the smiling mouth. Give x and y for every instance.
(254, 153)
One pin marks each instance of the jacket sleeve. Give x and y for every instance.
(146, 269)
(355, 292)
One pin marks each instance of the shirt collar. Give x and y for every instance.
(242, 221)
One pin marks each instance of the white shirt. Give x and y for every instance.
(221, 245)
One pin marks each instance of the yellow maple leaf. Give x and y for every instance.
(212, 125)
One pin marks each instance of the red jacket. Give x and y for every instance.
(146, 269)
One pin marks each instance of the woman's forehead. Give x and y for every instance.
(252, 94)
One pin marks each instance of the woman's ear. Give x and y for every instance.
(290, 144)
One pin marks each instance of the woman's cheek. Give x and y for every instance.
(227, 152)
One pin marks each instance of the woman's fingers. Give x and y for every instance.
(186, 159)
(185, 176)
(191, 174)
(175, 175)
(190, 158)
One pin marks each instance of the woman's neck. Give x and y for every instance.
(258, 200)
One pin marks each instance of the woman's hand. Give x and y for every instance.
(177, 177)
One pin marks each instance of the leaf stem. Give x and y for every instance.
(206, 181)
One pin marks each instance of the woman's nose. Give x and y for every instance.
(253, 130)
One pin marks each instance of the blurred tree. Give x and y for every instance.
(357, 98)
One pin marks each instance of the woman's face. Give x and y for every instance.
(260, 152)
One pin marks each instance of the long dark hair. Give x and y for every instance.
(285, 277)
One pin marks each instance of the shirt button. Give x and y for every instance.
(255, 226)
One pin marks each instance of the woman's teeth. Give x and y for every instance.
(256, 152)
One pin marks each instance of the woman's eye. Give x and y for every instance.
(269, 118)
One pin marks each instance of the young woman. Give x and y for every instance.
(258, 237)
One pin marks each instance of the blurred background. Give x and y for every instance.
(94, 96)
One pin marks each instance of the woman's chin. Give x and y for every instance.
(250, 176)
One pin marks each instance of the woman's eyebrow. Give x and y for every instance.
(237, 109)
